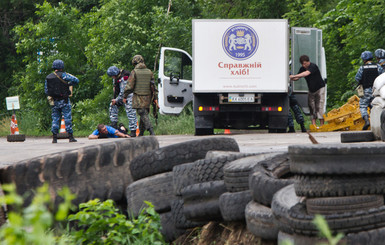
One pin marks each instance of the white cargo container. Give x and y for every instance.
(239, 77)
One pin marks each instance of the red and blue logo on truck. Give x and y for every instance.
(240, 42)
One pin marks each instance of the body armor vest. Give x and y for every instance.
(143, 79)
(369, 74)
(56, 88)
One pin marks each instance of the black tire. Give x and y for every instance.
(339, 185)
(337, 159)
(232, 205)
(184, 175)
(214, 154)
(62, 135)
(201, 201)
(16, 137)
(270, 176)
(236, 173)
(337, 205)
(98, 171)
(260, 221)
(294, 218)
(372, 237)
(211, 169)
(364, 136)
(169, 231)
(165, 158)
(156, 189)
(179, 218)
(282, 202)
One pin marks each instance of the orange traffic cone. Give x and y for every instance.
(15, 136)
(14, 127)
(137, 129)
(62, 132)
(62, 126)
(227, 131)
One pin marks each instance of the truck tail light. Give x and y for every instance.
(208, 108)
(272, 108)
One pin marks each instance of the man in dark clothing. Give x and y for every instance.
(365, 76)
(141, 84)
(316, 86)
(57, 87)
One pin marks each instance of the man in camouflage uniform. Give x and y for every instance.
(366, 75)
(380, 55)
(57, 88)
(141, 84)
(119, 79)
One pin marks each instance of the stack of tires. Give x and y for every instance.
(344, 183)
(265, 179)
(154, 181)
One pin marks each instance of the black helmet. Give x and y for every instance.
(58, 64)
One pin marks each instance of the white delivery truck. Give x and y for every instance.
(237, 78)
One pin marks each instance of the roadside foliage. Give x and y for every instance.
(90, 36)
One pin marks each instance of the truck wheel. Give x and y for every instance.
(204, 131)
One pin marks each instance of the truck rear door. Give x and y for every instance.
(175, 80)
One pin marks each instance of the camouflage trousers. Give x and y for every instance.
(144, 122)
(366, 101)
(59, 109)
(130, 112)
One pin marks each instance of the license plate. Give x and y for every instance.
(237, 98)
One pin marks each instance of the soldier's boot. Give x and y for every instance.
(291, 130)
(133, 133)
(151, 131)
(114, 125)
(303, 129)
(367, 123)
(71, 138)
(54, 138)
(141, 129)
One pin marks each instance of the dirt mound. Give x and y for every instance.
(234, 233)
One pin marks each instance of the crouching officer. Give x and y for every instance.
(57, 86)
(119, 79)
(141, 84)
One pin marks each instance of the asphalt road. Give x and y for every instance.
(248, 141)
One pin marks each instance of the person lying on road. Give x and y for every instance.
(104, 131)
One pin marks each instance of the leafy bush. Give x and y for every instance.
(95, 223)
(33, 224)
(101, 223)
